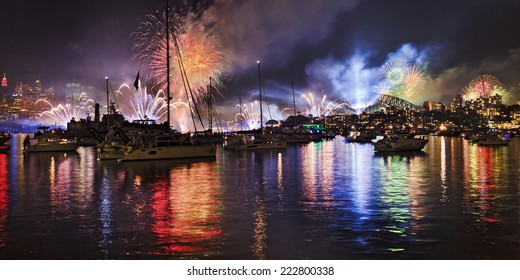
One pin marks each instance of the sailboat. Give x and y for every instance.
(265, 140)
(162, 145)
(296, 136)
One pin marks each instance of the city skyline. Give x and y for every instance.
(335, 50)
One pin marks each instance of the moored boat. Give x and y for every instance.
(48, 142)
(493, 140)
(262, 142)
(170, 152)
(4, 148)
(400, 143)
(359, 137)
(4, 138)
(263, 145)
(297, 139)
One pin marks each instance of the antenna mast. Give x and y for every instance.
(168, 63)
(260, 91)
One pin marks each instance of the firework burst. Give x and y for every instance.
(194, 54)
(482, 86)
(402, 79)
(413, 80)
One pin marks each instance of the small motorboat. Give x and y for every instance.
(400, 143)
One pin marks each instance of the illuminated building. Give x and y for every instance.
(335, 121)
(4, 81)
(456, 103)
(433, 106)
(515, 117)
(72, 92)
(4, 106)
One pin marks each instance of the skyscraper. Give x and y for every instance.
(72, 93)
(4, 81)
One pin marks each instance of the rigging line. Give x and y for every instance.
(267, 102)
(210, 113)
(179, 61)
(183, 70)
(192, 97)
(113, 93)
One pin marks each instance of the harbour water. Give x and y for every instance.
(324, 200)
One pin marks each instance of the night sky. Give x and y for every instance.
(321, 45)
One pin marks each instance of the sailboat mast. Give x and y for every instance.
(241, 116)
(108, 102)
(167, 31)
(260, 91)
(294, 102)
(210, 106)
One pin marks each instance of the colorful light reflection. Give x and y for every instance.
(187, 210)
(4, 199)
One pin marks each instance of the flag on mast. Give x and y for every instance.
(137, 81)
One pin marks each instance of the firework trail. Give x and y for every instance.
(61, 114)
(138, 104)
(181, 116)
(251, 115)
(322, 108)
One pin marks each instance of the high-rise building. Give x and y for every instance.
(4, 81)
(72, 93)
(456, 103)
(3, 91)
(47, 94)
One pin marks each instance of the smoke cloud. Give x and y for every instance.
(271, 29)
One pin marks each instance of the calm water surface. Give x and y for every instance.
(326, 200)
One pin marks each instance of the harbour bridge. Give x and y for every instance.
(382, 102)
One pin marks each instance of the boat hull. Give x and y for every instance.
(172, 152)
(359, 139)
(4, 139)
(296, 140)
(401, 146)
(52, 147)
(263, 146)
(112, 151)
(493, 142)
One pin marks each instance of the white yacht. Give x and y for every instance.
(400, 143)
(262, 142)
(360, 137)
(49, 142)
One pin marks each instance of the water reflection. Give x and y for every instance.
(61, 180)
(105, 215)
(260, 229)
(318, 176)
(394, 197)
(85, 175)
(444, 166)
(4, 199)
(187, 209)
(329, 200)
(401, 199)
(482, 171)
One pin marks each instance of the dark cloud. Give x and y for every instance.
(59, 40)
